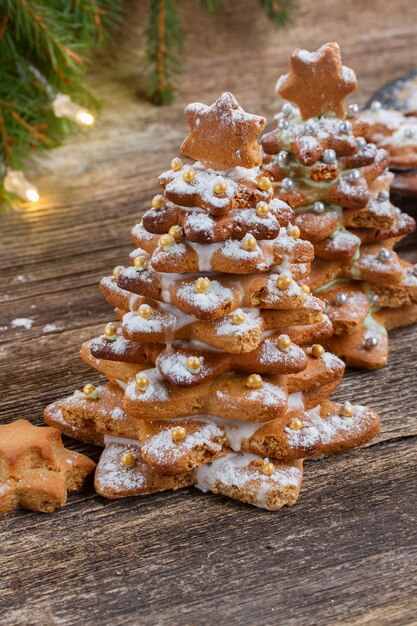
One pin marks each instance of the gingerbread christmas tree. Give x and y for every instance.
(338, 186)
(216, 373)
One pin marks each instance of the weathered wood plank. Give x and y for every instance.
(329, 560)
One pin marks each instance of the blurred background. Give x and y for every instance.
(238, 46)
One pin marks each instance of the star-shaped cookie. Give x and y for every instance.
(36, 471)
(317, 82)
(223, 135)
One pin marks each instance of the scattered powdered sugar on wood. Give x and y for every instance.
(22, 322)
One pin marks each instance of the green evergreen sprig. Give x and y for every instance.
(164, 39)
(43, 52)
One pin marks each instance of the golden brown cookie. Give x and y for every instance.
(318, 82)
(223, 135)
(37, 471)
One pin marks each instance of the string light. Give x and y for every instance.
(15, 182)
(63, 106)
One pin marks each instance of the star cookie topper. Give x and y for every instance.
(317, 82)
(223, 135)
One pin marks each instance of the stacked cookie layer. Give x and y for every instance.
(397, 134)
(216, 373)
(338, 185)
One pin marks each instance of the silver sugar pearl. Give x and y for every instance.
(383, 255)
(283, 158)
(287, 109)
(283, 124)
(345, 127)
(361, 142)
(319, 207)
(383, 196)
(353, 109)
(341, 299)
(409, 133)
(371, 342)
(353, 176)
(373, 298)
(372, 147)
(287, 184)
(310, 128)
(329, 156)
(376, 106)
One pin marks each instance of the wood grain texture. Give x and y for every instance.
(346, 554)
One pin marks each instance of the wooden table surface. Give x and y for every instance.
(347, 552)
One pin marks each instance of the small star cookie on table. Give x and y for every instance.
(36, 471)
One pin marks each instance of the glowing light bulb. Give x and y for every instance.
(32, 195)
(15, 182)
(63, 106)
(84, 117)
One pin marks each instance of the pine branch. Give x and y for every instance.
(43, 51)
(164, 38)
(279, 11)
(211, 5)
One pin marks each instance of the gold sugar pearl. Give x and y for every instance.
(90, 391)
(268, 469)
(178, 434)
(202, 285)
(116, 271)
(284, 343)
(176, 164)
(176, 232)
(262, 209)
(188, 175)
(249, 243)
(264, 183)
(110, 330)
(139, 263)
(145, 311)
(293, 232)
(346, 410)
(295, 423)
(283, 282)
(254, 381)
(317, 350)
(142, 382)
(128, 459)
(220, 187)
(193, 364)
(238, 318)
(166, 241)
(158, 202)
(306, 289)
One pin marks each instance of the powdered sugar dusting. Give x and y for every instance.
(23, 322)
(111, 473)
(236, 470)
(161, 446)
